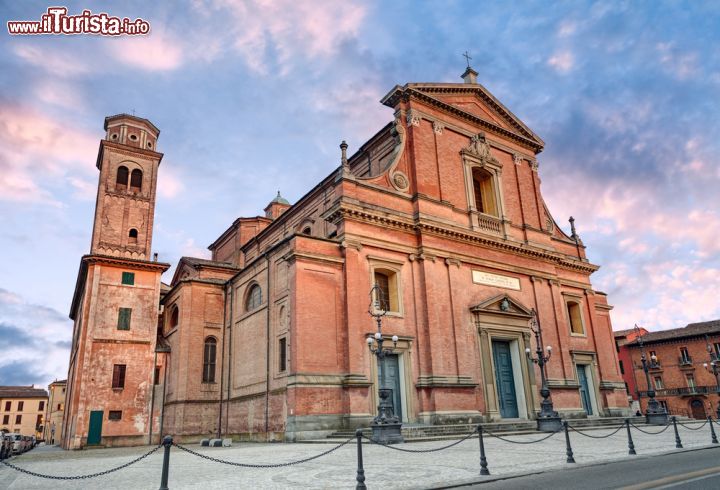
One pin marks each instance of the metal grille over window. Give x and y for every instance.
(124, 316)
(118, 379)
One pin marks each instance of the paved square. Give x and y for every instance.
(383, 467)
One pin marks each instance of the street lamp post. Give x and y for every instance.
(548, 419)
(655, 413)
(713, 367)
(386, 426)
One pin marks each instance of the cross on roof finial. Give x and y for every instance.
(467, 58)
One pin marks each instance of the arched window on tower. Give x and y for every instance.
(121, 180)
(133, 235)
(254, 298)
(484, 191)
(209, 357)
(136, 180)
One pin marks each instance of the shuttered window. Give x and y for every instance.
(128, 278)
(118, 379)
(124, 315)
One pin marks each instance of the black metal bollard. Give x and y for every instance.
(569, 451)
(360, 478)
(631, 445)
(483, 460)
(678, 443)
(167, 442)
(713, 437)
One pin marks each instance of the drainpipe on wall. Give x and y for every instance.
(227, 397)
(166, 365)
(267, 349)
(152, 396)
(222, 364)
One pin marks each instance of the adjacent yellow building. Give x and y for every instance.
(22, 410)
(54, 411)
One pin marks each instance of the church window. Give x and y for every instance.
(118, 377)
(209, 356)
(128, 278)
(157, 375)
(575, 318)
(133, 235)
(282, 348)
(124, 315)
(387, 282)
(254, 298)
(174, 317)
(136, 180)
(115, 415)
(133, 137)
(484, 191)
(121, 180)
(307, 231)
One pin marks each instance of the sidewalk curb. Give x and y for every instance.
(566, 466)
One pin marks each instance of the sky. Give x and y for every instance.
(254, 96)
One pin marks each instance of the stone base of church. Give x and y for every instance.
(451, 418)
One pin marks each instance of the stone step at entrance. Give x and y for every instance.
(418, 432)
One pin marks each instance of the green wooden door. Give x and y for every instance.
(584, 388)
(504, 379)
(95, 431)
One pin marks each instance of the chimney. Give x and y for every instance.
(470, 75)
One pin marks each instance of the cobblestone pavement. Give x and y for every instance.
(383, 467)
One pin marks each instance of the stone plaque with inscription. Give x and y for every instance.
(480, 277)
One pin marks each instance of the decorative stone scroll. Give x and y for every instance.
(480, 148)
(413, 118)
(438, 127)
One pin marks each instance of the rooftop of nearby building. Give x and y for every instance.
(699, 329)
(208, 263)
(22, 392)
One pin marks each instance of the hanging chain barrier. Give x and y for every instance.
(82, 477)
(693, 428)
(478, 433)
(667, 426)
(521, 442)
(583, 433)
(433, 450)
(268, 465)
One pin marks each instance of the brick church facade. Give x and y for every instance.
(266, 340)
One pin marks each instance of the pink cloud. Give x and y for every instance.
(157, 51)
(37, 150)
(293, 29)
(562, 62)
(52, 61)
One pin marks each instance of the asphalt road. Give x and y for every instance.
(690, 470)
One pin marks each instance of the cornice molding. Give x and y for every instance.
(344, 212)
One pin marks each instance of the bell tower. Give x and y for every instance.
(125, 207)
